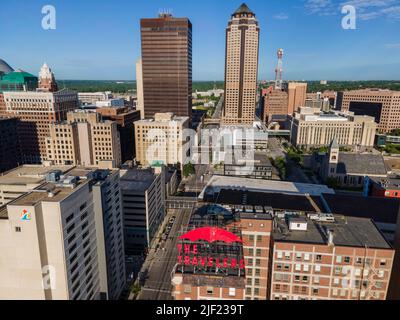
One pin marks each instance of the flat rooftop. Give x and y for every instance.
(277, 201)
(42, 194)
(29, 174)
(217, 183)
(348, 232)
(137, 179)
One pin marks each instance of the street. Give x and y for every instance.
(156, 284)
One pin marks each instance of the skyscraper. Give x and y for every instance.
(241, 67)
(167, 65)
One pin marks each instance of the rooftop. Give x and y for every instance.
(277, 201)
(217, 183)
(347, 231)
(137, 179)
(243, 9)
(29, 174)
(390, 183)
(365, 163)
(381, 210)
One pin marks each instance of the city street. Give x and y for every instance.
(156, 284)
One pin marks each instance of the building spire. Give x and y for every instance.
(243, 9)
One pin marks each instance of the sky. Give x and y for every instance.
(100, 39)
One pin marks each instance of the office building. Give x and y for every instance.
(274, 104)
(143, 205)
(9, 144)
(383, 105)
(93, 97)
(125, 119)
(313, 128)
(139, 89)
(71, 252)
(84, 139)
(241, 67)
(47, 81)
(166, 65)
(161, 140)
(297, 94)
(36, 111)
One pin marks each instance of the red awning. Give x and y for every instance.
(211, 235)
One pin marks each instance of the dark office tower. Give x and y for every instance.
(167, 65)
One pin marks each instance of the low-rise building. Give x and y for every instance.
(313, 128)
(326, 257)
(93, 97)
(349, 168)
(256, 166)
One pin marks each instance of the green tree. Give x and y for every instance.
(188, 170)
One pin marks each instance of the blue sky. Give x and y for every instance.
(100, 39)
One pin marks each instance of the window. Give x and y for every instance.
(298, 256)
(382, 263)
(317, 269)
(306, 268)
(307, 257)
(17, 229)
(339, 259)
(210, 290)
(232, 292)
(318, 257)
(315, 291)
(298, 267)
(279, 255)
(347, 259)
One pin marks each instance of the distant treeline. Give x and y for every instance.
(125, 86)
(130, 86)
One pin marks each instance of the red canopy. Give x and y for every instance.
(211, 235)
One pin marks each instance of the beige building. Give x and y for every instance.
(311, 128)
(297, 95)
(139, 88)
(84, 139)
(241, 68)
(23, 179)
(383, 105)
(54, 245)
(161, 140)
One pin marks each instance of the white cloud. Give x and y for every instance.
(281, 16)
(392, 45)
(366, 9)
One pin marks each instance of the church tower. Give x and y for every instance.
(333, 157)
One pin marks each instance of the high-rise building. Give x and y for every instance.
(74, 233)
(125, 119)
(383, 105)
(143, 205)
(84, 139)
(274, 104)
(9, 144)
(139, 88)
(161, 140)
(297, 95)
(167, 65)
(241, 67)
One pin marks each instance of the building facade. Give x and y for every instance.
(71, 255)
(161, 140)
(311, 128)
(125, 119)
(84, 139)
(10, 156)
(167, 65)
(383, 105)
(36, 111)
(241, 68)
(143, 204)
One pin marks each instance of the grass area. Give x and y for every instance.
(281, 165)
(391, 148)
